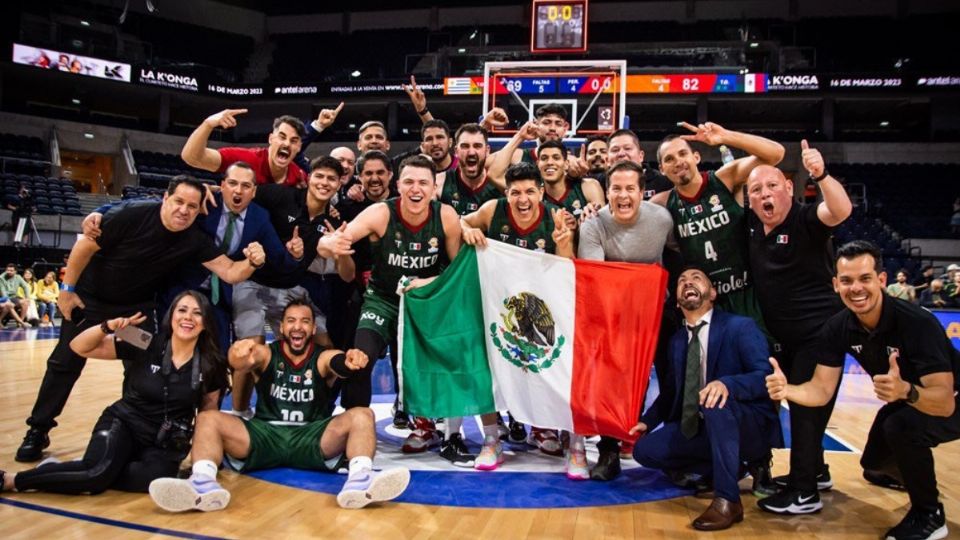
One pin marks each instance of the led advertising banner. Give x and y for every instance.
(70, 63)
(951, 323)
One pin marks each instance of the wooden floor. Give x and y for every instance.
(265, 510)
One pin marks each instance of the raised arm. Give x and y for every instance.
(95, 343)
(836, 205)
(418, 100)
(248, 356)
(195, 152)
(234, 272)
(372, 221)
(762, 151)
(503, 158)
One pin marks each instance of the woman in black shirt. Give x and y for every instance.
(146, 434)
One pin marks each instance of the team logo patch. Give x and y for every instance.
(154, 368)
(434, 245)
(715, 202)
(783, 238)
(398, 239)
(527, 338)
(857, 348)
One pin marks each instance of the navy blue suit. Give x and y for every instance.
(743, 430)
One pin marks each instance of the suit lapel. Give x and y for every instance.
(714, 343)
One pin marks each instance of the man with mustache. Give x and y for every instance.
(595, 154)
(578, 196)
(469, 185)
(791, 255)
(273, 165)
(718, 413)
(624, 145)
(915, 370)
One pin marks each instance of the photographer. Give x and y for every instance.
(23, 207)
(145, 434)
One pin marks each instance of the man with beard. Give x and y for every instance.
(119, 273)
(300, 216)
(718, 412)
(524, 220)
(435, 142)
(470, 184)
(412, 239)
(272, 165)
(791, 256)
(293, 426)
(552, 125)
(915, 371)
(578, 196)
(594, 152)
(707, 209)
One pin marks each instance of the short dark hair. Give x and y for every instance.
(292, 121)
(374, 155)
(523, 171)
(435, 123)
(665, 140)
(470, 128)
(297, 301)
(327, 162)
(188, 180)
(903, 271)
(856, 248)
(241, 165)
(602, 138)
(552, 144)
(698, 268)
(12, 265)
(624, 132)
(551, 108)
(420, 161)
(626, 165)
(372, 123)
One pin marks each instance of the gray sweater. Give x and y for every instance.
(603, 239)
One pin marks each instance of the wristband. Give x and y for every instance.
(68, 288)
(423, 112)
(825, 174)
(105, 328)
(338, 365)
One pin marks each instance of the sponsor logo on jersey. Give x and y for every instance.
(291, 219)
(702, 225)
(504, 237)
(154, 368)
(434, 245)
(857, 348)
(734, 283)
(370, 316)
(783, 238)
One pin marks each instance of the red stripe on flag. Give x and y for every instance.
(617, 321)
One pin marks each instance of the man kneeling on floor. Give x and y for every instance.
(293, 426)
(719, 414)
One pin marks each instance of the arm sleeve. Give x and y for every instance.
(117, 223)
(310, 135)
(817, 228)
(229, 156)
(827, 346)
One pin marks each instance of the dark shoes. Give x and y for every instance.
(792, 502)
(607, 467)
(883, 479)
(721, 514)
(763, 484)
(455, 451)
(31, 449)
(824, 483)
(920, 524)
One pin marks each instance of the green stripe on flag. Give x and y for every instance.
(444, 365)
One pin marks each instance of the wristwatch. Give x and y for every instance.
(821, 177)
(105, 328)
(913, 394)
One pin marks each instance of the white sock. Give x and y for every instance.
(491, 431)
(205, 469)
(452, 425)
(359, 465)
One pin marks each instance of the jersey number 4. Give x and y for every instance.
(709, 252)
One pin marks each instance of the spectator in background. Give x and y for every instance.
(901, 289)
(954, 292)
(30, 297)
(12, 288)
(924, 279)
(935, 297)
(47, 292)
(950, 279)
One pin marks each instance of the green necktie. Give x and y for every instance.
(690, 418)
(225, 244)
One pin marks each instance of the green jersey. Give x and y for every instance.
(463, 198)
(573, 199)
(292, 394)
(407, 250)
(537, 237)
(528, 155)
(711, 231)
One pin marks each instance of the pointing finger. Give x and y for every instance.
(686, 125)
(339, 108)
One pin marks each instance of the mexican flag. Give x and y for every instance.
(560, 344)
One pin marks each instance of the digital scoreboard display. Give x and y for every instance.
(558, 26)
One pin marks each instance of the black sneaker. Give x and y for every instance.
(31, 449)
(502, 431)
(920, 524)
(400, 419)
(763, 485)
(824, 483)
(454, 451)
(882, 479)
(607, 467)
(518, 432)
(792, 502)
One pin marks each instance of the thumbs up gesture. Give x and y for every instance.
(776, 382)
(890, 387)
(812, 160)
(295, 244)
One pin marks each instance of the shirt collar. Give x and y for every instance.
(707, 317)
(885, 323)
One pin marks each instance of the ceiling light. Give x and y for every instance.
(884, 123)
(85, 23)
(355, 73)
(754, 44)
(88, 135)
(75, 101)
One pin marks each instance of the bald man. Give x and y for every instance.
(791, 257)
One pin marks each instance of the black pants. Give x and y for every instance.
(357, 390)
(900, 443)
(64, 366)
(339, 301)
(669, 323)
(807, 424)
(114, 459)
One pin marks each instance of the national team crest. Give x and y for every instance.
(783, 238)
(696, 209)
(415, 246)
(434, 245)
(527, 338)
(715, 203)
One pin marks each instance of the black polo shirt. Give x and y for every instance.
(912, 331)
(137, 254)
(142, 405)
(288, 209)
(349, 210)
(792, 269)
(654, 182)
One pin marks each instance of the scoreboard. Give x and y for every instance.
(552, 84)
(558, 26)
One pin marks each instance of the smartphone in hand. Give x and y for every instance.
(135, 336)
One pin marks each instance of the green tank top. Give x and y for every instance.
(539, 237)
(405, 250)
(573, 199)
(462, 197)
(288, 394)
(529, 155)
(711, 232)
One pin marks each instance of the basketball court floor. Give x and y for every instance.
(529, 497)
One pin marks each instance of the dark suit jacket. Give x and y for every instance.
(737, 356)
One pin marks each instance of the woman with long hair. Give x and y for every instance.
(31, 315)
(47, 292)
(146, 434)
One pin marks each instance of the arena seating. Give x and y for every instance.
(22, 147)
(51, 195)
(156, 168)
